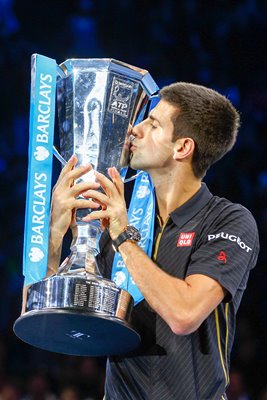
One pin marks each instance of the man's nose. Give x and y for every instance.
(137, 130)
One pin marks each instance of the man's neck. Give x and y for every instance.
(173, 190)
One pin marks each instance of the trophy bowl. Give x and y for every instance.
(78, 311)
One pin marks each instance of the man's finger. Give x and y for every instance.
(108, 186)
(67, 168)
(98, 196)
(96, 215)
(77, 172)
(83, 188)
(116, 179)
(81, 203)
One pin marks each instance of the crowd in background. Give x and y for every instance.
(220, 44)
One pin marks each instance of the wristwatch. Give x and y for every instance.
(129, 233)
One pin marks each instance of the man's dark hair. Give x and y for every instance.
(207, 117)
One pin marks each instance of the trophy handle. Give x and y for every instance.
(59, 156)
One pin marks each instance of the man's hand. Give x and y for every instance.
(65, 193)
(63, 207)
(113, 214)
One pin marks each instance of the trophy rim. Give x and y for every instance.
(108, 61)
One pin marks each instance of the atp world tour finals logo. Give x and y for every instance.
(120, 97)
(40, 168)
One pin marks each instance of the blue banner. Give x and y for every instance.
(141, 215)
(41, 137)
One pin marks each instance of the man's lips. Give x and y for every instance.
(129, 146)
(132, 147)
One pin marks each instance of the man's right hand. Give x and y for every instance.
(64, 204)
(65, 193)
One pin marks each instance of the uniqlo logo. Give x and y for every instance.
(185, 239)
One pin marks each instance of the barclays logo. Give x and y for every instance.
(36, 254)
(41, 153)
(142, 192)
(119, 278)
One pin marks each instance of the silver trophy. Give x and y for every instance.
(77, 311)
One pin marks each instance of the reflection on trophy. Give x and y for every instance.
(77, 311)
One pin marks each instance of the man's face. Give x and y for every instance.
(152, 147)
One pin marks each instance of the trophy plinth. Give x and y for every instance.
(78, 315)
(78, 311)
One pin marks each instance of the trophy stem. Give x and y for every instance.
(83, 250)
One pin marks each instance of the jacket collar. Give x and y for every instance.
(186, 211)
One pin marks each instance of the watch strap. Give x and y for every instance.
(129, 233)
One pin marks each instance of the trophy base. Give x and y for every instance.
(76, 333)
(77, 315)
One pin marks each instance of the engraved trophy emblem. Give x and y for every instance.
(77, 311)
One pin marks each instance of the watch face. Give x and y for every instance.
(133, 233)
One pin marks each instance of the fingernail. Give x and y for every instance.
(73, 157)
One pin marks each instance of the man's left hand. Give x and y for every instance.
(113, 213)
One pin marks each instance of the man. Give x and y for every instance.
(204, 248)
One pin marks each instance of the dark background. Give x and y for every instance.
(221, 44)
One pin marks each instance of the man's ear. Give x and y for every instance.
(183, 148)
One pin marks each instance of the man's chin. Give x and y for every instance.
(134, 165)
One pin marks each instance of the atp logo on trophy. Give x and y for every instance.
(120, 97)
